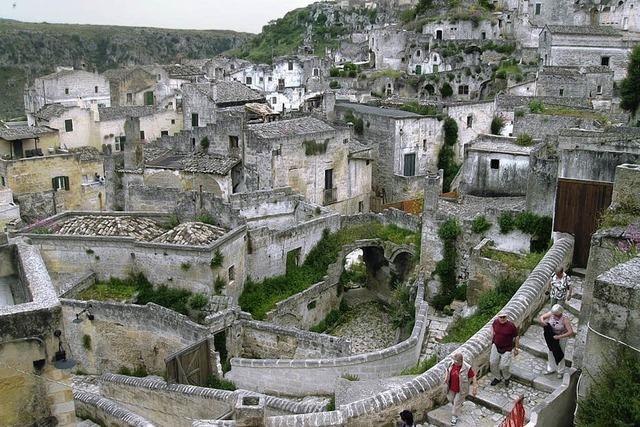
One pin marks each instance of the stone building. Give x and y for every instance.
(320, 161)
(57, 182)
(577, 46)
(495, 166)
(131, 86)
(405, 146)
(27, 141)
(594, 82)
(463, 30)
(68, 87)
(473, 119)
(201, 102)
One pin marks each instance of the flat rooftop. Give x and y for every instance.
(378, 111)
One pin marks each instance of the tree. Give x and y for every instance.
(446, 90)
(630, 87)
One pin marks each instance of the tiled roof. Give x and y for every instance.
(588, 30)
(61, 73)
(178, 70)
(51, 110)
(24, 132)
(289, 128)
(118, 74)
(191, 234)
(115, 113)
(224, 92)
(195, 163)
(86, 154)
(140, 228)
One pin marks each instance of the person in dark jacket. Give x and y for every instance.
(407, 418)
(559, 329)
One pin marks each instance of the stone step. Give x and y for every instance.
(538, 348)
(574, 306)
(472, 415)
(537, 380)
(577, 289)
(578, 272)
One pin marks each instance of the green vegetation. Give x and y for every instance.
(630, 86)
(446, 156)
(421, 367)
(402, 308)
(514, 261)
(217, 259)
(392, 74)
(356, 273)
(332, 319)
(220, 383)
(172, 222)
(137, 289)
(204, 143)
(348, 70)
(358, 123)
(536, 106)
(480, 224)
(198, 301)
(508, 68)
(40, 230)
(446, 91)
(89, 251)
(206, 218)
(139, 371)
(497, 124)
(218, 285)
(539, 227)
(524, 140)
(613, 397)
(334, 84)
(185, 266)
(285, 35)
(446, 268)
(259, 298)
(488, 306)
(416, 107)
(86, 342)
(331, 406)
(312, 147)
(623, 212)
(351, 377)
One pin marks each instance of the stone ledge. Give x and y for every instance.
(111, 408)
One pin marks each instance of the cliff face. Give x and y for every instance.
(28, 50)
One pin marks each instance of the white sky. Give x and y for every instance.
(238, 15)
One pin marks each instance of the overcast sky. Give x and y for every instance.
(238, 15)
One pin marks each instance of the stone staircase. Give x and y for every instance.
(528, 379)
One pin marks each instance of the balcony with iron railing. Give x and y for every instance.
(330, 196)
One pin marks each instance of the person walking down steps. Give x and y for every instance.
(459, 373)
(560, 287)
(557, 329)
(504, 345)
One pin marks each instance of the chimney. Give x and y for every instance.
(133, 154)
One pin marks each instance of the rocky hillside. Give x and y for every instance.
(28, 50)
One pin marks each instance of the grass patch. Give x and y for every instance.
(421, 367)
(625, 211)
(259, 298)
(217, 259)
(351, 377)
(392, 74)
(488, 306)
(139, 371)
(524, 140)
(514, 261)
(220, 383)
(480, 224)
(334, 318)
(111, 290)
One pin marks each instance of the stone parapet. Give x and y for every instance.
(107, 411)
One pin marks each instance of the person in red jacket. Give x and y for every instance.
(459, 373)
(504, 342)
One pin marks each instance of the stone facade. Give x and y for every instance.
(580, 82)
(473, 119)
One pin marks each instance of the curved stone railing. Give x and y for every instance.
(422, 392)
(318, 376)
(92, 406)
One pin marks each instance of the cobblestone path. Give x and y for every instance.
(369, 328)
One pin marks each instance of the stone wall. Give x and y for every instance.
(125, 335)
(541, 181)
(318, 376)
(106, 411)
(261, 340)
(542, 125)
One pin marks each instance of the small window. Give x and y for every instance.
(290, 65)
(495, 163)
(463, 89)
(68, 125)
(2, 181)
(232, 273)
(164, 133)
(424, 144)
(195, 122)
(193, 143)
(95, 89)
(173, 121)
(60, 183)
(360, 206)
(269, 79)
(561, 92)
(142, 135)
(469, 121)
(159, 77)
(538, 8)
(410, 164)
(316, 72)
(604, 61)
(118, 145)
(233, 142)
(274, 100)
(261, 79)
(248, 80)
(599, 90)
(418, 53)
(483, 35)
(66, 91)
(129, 98)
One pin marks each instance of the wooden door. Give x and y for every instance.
(579, 205)
(191, 365)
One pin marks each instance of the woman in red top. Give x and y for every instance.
(457, 381)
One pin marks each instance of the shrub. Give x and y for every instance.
(421, 367)
(613, 397)
(539, 227)
(446, 91)
(220, 383)
(450, 230)
(497, 124)
(198, 301)
(501, 74)
(402, 309)
(185, 266)
(519, 113)
(480, 224)
(89, 251)
(204, 143)
(86, 342)
(205, 218)
(416, 107)
(506, 223)
(334, 84)
(524, 140)
(446, 268)
(217, 259)
(173, 221)
(218, 285)
(140, 371)
(536, 106)
(622, 213)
